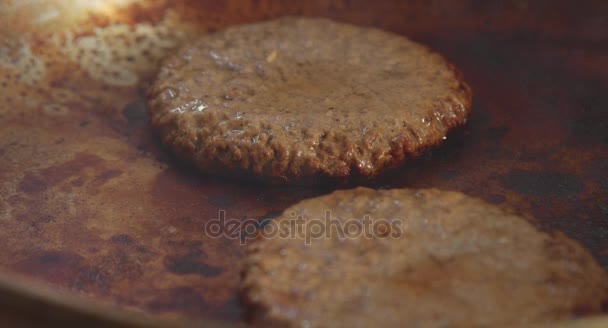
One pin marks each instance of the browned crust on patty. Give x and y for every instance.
(295, 98)
(459, 262)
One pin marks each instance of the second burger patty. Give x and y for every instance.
(415, 258)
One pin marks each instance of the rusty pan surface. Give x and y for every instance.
(91, 204)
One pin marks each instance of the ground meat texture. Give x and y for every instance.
(457, 262)
(295, 98)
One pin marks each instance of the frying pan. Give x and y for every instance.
(99, 224)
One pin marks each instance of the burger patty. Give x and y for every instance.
(296, 98)
(433, 259)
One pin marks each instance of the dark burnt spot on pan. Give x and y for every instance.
(542, 183)
(184, 299)
(99, 273)
(31, 184)
(91, 278)
(191, 263)
(135, 112)
(122, 239)
(77, 182)
(36, 224)
(120, 265)
(141, 250)
(55, 258)
(149, 144)
(106, 176)
(55, 266)
(46, 219)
